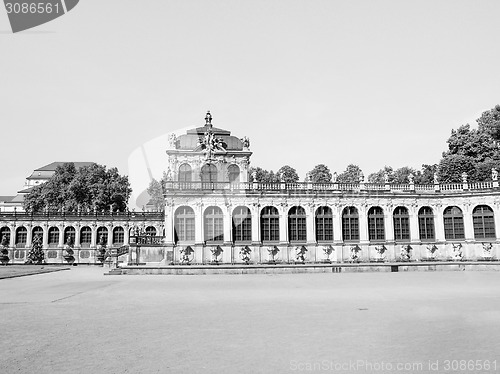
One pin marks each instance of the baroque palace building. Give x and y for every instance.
(214, 213)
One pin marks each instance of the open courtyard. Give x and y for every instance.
(80, 321)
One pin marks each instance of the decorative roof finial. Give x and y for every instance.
(208, 119)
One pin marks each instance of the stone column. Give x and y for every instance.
(363, 225)
(199, 230)
(414, 228)
(255, 209)
(310, 224)
(283, 210)
(45, 239)
(389, 223)
(126, 233)
(438, 223)
(109, 227)
(61, 236)
(12, 240)
(77, 235)
(29, 234)
(496, 213)
(227, 224)
(337, 223)
(468, 224)
(93, 241)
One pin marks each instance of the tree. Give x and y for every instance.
(475, 143)
(155, 191)
(351, 174)
(379, 176)
(401, 175)
(90, 187)
(320, 174)
(257, 174)
(451, 167)
(36, 255)
(287, 174)
(426, 175)
(489, 122)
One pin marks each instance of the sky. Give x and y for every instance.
(367, 82)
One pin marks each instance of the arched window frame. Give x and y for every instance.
(37, 230)
(85, 237)
(324, 224)
(184, 225)
(102, 230)
(426, 227)
(213, 220)
(185, 173)
(483, 220)
(5, 231)
(118, 235)
(401, 219)
(242, 225)
(151, 231)
(270, 224)
(297, 229)
(21, 237)
(53, 237)
(376, 226)
(350, 224)
(453, 219)
(69, 232)
(233, 172)
(209, 173)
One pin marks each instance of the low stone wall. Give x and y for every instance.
(309, 268)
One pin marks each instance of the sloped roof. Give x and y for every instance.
(53, 166)
(45, 172)
(6, 199)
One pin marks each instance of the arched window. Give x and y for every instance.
(270, 224)
(53, 239)
(376, 230)
(401, 220)
(324, 224)
(242, 224)
(150, 230)
(102, 236)
(85, 237)
(184, 224)
(21, 237)
(5, 231)
(185, 173)
(426, 223)
(69, 232)
(350, 224)
(484, 222)
(118, 235)
(234, 173)
(209, 173)
(214, 224)
(453, 223)
(297, 231)
(37, 230)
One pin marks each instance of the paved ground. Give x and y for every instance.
(79, 321)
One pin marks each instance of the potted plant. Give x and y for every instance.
(101, 249)
(36, 255)
(432, 252)
(216, 252)
(68, 250)
(186, 253)
(4, 250)
(487, 249)
(457, 254)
